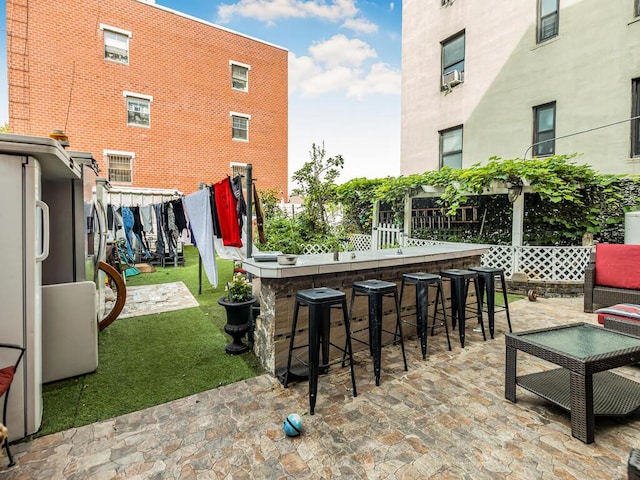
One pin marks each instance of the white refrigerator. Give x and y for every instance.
(42, 241)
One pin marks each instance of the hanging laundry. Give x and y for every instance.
(168, 233)
(241, 205)
(127, 218)
(178, 213)
(214, 212)
(227, 214)
(157, 208)
(138, 232)
(198, 209)
(146, 212)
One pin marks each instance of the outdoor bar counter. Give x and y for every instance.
(276, 285)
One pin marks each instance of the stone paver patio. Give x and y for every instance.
(446, 418)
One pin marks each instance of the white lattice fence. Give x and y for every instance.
(540, 263)
(537, 263)
(420, 242)
(500, 256)
(312, 248)
(553, 263)
(360, 242)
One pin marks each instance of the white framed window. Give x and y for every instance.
(119, 166)
(138, 109)
(547, 19)
(240, 126)
(116, 44)
(635, 111)
(453, 55)
(239, 76)
(544, 129)
(451, 147)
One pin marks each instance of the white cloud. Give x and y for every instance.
(340, 65)
(271, 10)
(360, 25)
(381, 79)
(340, 50)
(391, 6)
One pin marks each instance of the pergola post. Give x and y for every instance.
(517, 227)
(408, 209)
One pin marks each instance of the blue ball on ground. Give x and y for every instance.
(292, 426)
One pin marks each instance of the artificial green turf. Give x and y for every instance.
(152, 359)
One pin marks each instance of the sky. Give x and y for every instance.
(344, 73)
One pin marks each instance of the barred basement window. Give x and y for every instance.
(120, 168)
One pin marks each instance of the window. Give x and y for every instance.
(451, 147)
(635, 124)
(119, 166)
(544, 129)
(240, 126)
(547, 19)
(116, 44)
(239, 76)
(138, 109)
(453, 59)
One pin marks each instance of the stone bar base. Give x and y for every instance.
(277, 298)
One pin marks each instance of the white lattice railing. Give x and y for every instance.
(361, 242)
(312, 248)
(565, 264)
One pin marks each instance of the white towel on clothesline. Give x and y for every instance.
(198, 209)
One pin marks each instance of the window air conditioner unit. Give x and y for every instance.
(452, 78)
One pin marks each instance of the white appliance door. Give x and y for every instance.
(20, 294)
(36, 251)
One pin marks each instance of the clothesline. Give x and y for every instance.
(218, 218)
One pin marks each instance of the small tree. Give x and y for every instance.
(317, 187)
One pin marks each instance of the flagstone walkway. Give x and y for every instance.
(446, 418)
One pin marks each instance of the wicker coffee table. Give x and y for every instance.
(583, 386)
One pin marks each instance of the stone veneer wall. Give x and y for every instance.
(277, 298)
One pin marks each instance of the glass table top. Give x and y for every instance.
(582, 340)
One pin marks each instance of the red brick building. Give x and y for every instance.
(161, 99)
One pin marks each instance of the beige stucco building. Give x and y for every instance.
(485, 78)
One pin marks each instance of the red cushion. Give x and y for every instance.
(624, 311)
(618, 266)
(6, 377)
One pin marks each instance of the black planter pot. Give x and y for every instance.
(239, 321)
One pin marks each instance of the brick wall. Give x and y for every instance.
(59, 79)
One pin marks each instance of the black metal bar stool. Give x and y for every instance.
(319, 300)
(487, 280)
(422, 282)
(376, 290)
(459, 289)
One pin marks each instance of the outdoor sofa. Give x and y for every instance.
(613, 277)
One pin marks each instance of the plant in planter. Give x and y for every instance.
(238, 303)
